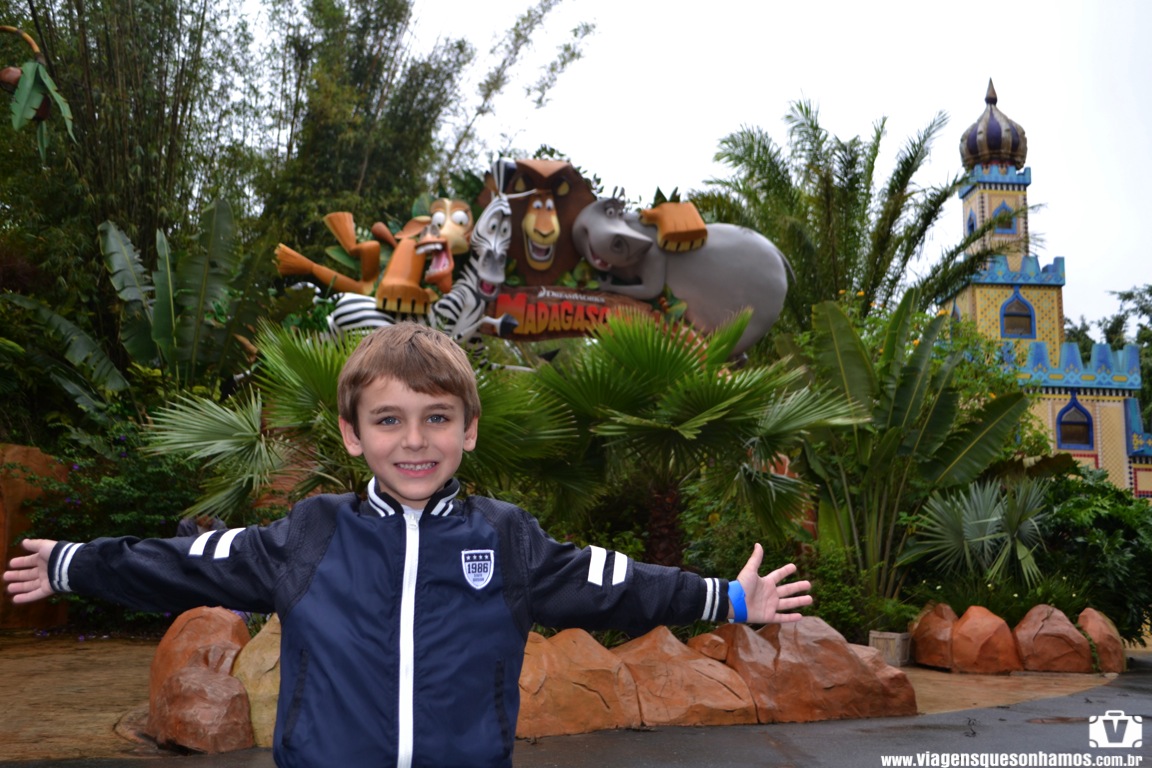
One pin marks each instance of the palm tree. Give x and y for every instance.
(844, 237)
(658, 408)
(920, 436)
(987, 531)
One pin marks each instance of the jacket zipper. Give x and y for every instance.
(407, 644)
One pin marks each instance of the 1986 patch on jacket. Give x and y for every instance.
(478, 566)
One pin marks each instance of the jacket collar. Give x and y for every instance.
(439, 505)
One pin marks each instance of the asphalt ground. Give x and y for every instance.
(1048, 731)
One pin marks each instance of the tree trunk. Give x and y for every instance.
(665, 538)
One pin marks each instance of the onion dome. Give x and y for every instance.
(994, 139)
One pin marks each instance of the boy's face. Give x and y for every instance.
(413, 442)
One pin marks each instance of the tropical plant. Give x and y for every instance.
(283, 431)
(844, 237)
(184, 317)
(986, 530)
(33, 93)
(658, 408)
(874, 477)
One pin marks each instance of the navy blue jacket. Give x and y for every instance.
(403, 634)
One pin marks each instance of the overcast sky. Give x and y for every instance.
(659, 87)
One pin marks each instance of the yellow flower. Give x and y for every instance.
(842, 291)
(859, 293)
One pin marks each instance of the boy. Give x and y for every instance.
(404, 615)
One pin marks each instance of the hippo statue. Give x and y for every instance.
(733, 268)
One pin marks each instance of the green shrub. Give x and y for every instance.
(1101, 536)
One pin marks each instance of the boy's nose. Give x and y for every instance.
(414, 437)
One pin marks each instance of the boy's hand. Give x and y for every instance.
(766, 596)
(27, 577)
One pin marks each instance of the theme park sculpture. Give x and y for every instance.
(713, 272)
(548, 260)
(460, 312)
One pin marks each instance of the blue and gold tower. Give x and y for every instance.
(1090, 409)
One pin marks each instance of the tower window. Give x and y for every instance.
(1017, 318)
(971, 222)
(1073, 426)
(1005, 227)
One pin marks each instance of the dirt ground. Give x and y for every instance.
(64, 697)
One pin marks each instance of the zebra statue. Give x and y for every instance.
(463, 310)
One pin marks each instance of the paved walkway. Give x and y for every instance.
(1033, 727)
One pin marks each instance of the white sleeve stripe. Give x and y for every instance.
(596, 566)
(201, 542)
(711, 599)
(619, 568)
(60, 581)
(224, 546)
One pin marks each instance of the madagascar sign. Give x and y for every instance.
(547, 312)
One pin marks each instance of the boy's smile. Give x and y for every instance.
(413, 442)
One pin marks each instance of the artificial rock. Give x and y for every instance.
(710, 644)
(1106, 638)
(807, 671)
(983, 644)
(899, 697)
(257, 667)
(572, 684)
(1049, 642)
(203, 710)
(932, 636)
(202, 638)
(678, 686)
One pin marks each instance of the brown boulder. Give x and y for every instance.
(983, 644)
(806, 671)
(1048, 642)
(1105, 636)
(189, 637)
(678, 686)
(899, 698)
(207, 638)
(932, 636)
(572, 684)
(710, 644)
(257, 667)
(202, 709)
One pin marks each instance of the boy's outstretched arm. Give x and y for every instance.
(765, 596)
(27, 577)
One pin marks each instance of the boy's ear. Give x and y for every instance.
(351, 439)
(470, 434)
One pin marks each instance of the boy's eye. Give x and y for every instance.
(389, 420)
(438, 418)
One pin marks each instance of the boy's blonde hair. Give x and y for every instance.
(424, 360)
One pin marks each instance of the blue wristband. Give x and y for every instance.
(736, 600)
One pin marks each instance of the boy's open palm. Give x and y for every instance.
(27, 576)
(766, 596)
